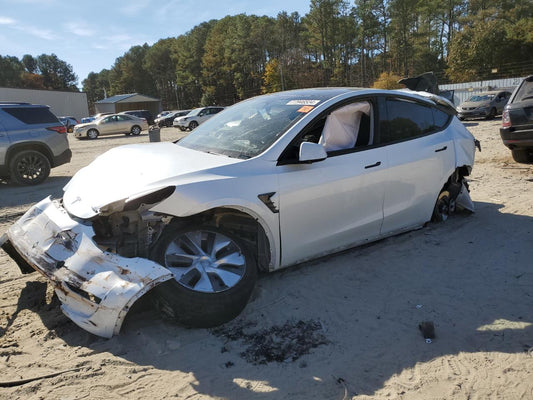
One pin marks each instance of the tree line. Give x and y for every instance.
(337, 43)
(42, 72)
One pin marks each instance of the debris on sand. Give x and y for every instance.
(286, 343)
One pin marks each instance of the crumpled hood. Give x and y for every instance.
(133, 170)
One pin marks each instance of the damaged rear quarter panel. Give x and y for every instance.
(464, 144)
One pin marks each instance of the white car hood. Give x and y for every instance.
(131, 171)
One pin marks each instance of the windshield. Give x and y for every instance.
(194, 112)
(481, 97)
(248, 128)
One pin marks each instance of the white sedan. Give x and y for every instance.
(267, 183)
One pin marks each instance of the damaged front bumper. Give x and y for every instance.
(96, 288)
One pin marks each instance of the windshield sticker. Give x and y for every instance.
(305, 109)
(303, 102)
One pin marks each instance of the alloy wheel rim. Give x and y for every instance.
(205, 261)
(30, 167)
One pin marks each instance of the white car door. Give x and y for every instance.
(332, 204)
(420, 156)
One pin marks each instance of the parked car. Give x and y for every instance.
(267, 183)
(110, 125)
(168, 119)
(147, 115)
(195, 117)
(87, 119)
(483, 105)
(163, 113)
(32, 141)
(517, 122)
(102, 114)
(69, 122)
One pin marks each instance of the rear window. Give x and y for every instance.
(32, 115)
(406, 120)
(525, 91)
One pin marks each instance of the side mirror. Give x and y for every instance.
(311, 152)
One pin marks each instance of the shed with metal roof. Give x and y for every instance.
(125, 102)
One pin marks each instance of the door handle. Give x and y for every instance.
(373, 165)
(442, 149)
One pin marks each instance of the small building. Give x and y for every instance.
(61, 103)
(125, 102)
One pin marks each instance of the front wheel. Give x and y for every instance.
(214, 275)
(92, 134)
(492, 113)
(193, 125)
(29, 167)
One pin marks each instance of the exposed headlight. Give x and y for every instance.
(133, 203)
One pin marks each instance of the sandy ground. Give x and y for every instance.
(472, 276)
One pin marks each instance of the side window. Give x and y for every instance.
(405, 120)
(32, 115)
(347, 127)
(441, 118)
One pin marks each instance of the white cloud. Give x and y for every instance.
(79, 29)
(40, 33)
(134, 8)
(7, 21)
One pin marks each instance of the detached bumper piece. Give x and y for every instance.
(96, 288)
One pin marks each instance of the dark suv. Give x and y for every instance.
(517, 122)
(147, 115)
(32, 141)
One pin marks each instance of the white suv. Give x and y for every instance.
(196, 117)
(268, 183)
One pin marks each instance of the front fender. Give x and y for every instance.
(192, 199)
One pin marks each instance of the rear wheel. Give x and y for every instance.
(29, 167)
(214, 275)
(193, 125)
(443, 207)
(135, 130)
(523, 155)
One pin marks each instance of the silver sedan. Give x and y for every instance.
(110, 125)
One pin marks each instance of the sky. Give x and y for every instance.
(91, 34)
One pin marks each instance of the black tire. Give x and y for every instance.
(524, 156)
(135, 130)
(92, 134)
(443, 207)
(201, 296)
(29, 167)
(193, 125)
(492, 113)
